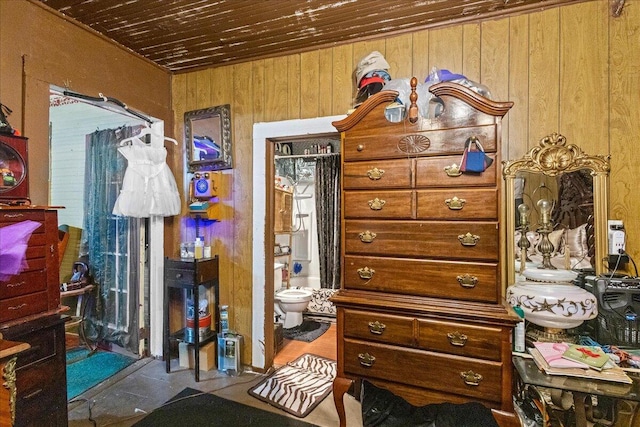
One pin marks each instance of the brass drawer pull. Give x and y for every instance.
(15, 285)
(377, 328)
(471, 378)
(453, 170)
(455, 204)
(366, 273)
(18, 307)
(457, 338)
(377, 204)
(468, 239)
(367, 236)
(375, 174)
(360, 147)
(14, 215)
(467, 281)
(366, 359)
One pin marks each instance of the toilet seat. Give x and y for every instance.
(293, 295)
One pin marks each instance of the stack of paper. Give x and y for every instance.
(577, 361)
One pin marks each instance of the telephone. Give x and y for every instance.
(203, 193)
(203, 185)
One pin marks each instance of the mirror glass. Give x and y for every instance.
(208, 138)
(557, 194)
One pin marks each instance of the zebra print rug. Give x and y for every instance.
(299, 386)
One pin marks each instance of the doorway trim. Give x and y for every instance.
(264, 135)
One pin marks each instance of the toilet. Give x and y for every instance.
(289, 305)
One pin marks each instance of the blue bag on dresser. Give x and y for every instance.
(474, 159)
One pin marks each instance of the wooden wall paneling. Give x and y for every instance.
(340, 76)
(310, 84)
(518, 130)
(398, 55)
(203, 88)
(242, 200)
(624, 81)
(325, 84)
(178, 102)
(420, 61)
(471, 50)
(543, 75)
(494, 67)
(584, 43)
(275, 89)
(294, 77)
(445, 49)
(222, 87)
(192, 92)
(258, 92)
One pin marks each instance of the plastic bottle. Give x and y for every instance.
(224, 318)
(519, 331)
(198, 248)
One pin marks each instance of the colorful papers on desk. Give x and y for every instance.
(612, 372)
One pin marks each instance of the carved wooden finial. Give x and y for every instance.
(413, 108)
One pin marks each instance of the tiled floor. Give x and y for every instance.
(139, 389)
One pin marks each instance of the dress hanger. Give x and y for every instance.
(147, 130)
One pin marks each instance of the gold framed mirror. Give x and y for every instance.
(208, 138)
(543, 167)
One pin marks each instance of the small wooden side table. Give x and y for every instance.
(188, 276)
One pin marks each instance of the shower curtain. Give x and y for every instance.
(328, 219)
(110, 243)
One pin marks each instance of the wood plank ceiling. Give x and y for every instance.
(184, 35)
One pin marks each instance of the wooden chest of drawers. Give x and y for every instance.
(421, 309)
(36, 290)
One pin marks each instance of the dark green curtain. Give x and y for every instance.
(109, 243)
(328, 219)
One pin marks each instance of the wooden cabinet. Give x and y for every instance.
(36, 290)
(421, 309)
(41, 375)
(29, 313)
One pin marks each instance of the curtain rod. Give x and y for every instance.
(103, 98)
(305, 156)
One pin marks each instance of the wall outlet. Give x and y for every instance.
(617, 237)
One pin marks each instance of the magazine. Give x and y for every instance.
(614, 374)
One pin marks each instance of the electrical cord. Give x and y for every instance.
(90, 404)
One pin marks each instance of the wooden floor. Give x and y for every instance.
(324, 346)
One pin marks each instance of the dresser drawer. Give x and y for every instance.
(429, 278)
(24, 283)
(431, 173)
(378, 204)
(386, 328)
(423, 239)
(14, 308)
(11, 215)
(465, 376)
(483, 342)
(420, 143)
(458, 204)
(377, 174)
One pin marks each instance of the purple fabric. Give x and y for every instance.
(14, 240)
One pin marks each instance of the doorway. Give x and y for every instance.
(114, 318)
(265, 137)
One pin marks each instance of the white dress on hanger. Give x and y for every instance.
(148, 187)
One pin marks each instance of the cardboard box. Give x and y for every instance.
(207, 356)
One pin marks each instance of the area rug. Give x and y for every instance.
(299, 386)
(307, 331)
(194, 408)
(86, 369)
